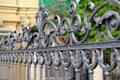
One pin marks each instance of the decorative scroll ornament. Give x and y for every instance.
(49, 31)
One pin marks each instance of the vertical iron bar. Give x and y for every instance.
(48, 72)
(66, 73)
(107, 75)
(3, 71)
(13, 71)
(35, 72)
(0, 69)
(29, 71)
(6, 71)
(41, 67)
(90, 74)
(20, 71)
(9, 70)
(16, 71)
(4, 75)
(24, 71)
(77, 75)
(56, 73)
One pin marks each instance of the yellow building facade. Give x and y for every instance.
(12, 14)
(15, 12)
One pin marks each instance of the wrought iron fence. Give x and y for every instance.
(68, 60)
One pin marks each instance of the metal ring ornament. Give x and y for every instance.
(112, 24)
(15, 57)
(24, 58)
(34, 58)
(61, 29)
(12, 57)
(117, 54)
(87, 63)
(29, 58)
(74, 63)
(72, 9)
(35, 40)
(65, 63)
(19, 58)
(41, 61)
(48, 34)
(57, 62)
(102, 65)
(2, 57)
(5, 58)
(48, 58)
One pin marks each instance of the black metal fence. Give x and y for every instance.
(68, 60)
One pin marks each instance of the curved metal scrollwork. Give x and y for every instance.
(45, 48)
(47, 35)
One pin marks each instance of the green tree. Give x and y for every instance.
(56, 7)
(93, 34)
(61, 7)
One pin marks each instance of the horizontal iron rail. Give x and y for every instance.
(112, 44)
